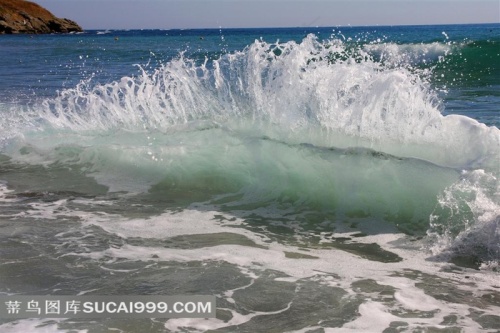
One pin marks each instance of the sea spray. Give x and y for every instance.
(466, 221)
(291, 92)
(314, 123)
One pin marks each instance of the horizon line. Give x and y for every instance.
(302, 27)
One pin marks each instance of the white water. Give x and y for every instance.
(262, 121)
(328, 267)
(311, 92)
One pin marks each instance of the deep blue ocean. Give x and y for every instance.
(333, 179)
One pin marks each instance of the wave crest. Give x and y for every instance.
(310, 92)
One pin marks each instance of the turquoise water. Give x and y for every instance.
(322, 179)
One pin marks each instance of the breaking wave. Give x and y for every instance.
(356, 131)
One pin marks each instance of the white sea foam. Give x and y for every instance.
(271, 256)
(36, 325)
(4, 193)
(325, 265)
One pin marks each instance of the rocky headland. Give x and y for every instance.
(26, 17)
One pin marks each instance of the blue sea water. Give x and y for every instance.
(313, 179)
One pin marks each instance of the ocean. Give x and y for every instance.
(341, 179)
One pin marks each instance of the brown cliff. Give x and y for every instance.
(26, 17)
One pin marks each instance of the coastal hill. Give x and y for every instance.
(26, 17)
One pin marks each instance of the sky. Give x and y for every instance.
(189, 14)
